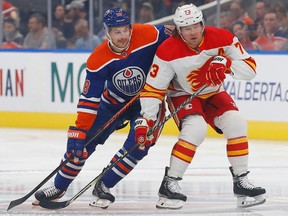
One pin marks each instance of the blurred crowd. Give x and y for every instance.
(258, 24)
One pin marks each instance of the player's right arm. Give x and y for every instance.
(151, 98)
(154, 91)
(87, 108)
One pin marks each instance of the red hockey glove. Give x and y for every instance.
(76, 142)
(217, 69)
(142, 127)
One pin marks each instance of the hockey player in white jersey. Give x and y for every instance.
(199, 55)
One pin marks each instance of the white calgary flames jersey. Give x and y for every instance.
(179, 70)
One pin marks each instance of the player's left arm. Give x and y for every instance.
(243, 66)
(165, 31)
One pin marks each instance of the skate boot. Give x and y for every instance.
(247, 194)
(169, 193)
(50, 193)
(103, 197)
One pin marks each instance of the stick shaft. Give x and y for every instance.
(57, 205)
(99, 131)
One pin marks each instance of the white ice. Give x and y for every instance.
(27, 156)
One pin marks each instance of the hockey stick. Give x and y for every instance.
(99, 131)
(57, 205)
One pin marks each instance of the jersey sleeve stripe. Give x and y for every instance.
(88, 104)
(93, 99)
(251, 62)
(109, 98)
(151, 92)
(83, 110)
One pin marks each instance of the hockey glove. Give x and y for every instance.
(142, 127)
(218, 67)
(76, 142)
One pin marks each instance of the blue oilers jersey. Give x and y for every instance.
(114, 78)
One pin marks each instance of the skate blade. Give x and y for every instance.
(100, 203)
(35, 202)
(164, 203)
(246, 202)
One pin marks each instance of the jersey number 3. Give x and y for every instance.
(154, 70)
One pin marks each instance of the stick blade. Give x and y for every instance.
(17, 202)
(48, 204)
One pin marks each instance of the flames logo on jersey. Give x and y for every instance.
(129, 81)
(197, 78)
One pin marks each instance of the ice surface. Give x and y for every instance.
(27, 156)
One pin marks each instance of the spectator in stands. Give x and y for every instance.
(261, 8)
(240, 31)
(78, 9)
(282, 17)
(9, 10)
(237, 8)
(27, 8)
(12, 38)
(58, 18)
(239, 13)
(59, 25)
(225, 21)
(69, 26)
(162, 8)
(270, 36)
(85, 39)
(120, 4)
(38, 36)
(146, 13)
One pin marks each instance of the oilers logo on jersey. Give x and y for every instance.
(130, 80)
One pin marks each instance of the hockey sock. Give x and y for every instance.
(237, 152)
(68, 173)
(181, 156)
(120, 170)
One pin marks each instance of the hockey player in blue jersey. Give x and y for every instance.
(116, 72)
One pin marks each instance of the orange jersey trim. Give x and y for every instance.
(85, 120)
(251, 62)
(103, 55)
(90, 104)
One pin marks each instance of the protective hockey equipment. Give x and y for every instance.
(76, 142)
(115, 17)
(103, 197)
(247, 194)
(50, 193)
(187, 15)
(142, 127)
(170, 196)
(217, 69)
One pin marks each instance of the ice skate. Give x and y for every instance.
(247, 194)
(50, 193)
(169, 193)
(103, 197)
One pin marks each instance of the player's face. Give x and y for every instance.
(192, 34)
(120, 36)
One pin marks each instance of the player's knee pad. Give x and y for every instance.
(194, 129)
(232, 124)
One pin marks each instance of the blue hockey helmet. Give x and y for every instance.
(115, 17)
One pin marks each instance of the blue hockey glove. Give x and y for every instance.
(75, 144)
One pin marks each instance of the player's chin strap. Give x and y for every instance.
(57, 205)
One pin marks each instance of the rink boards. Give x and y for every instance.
(41, 90)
